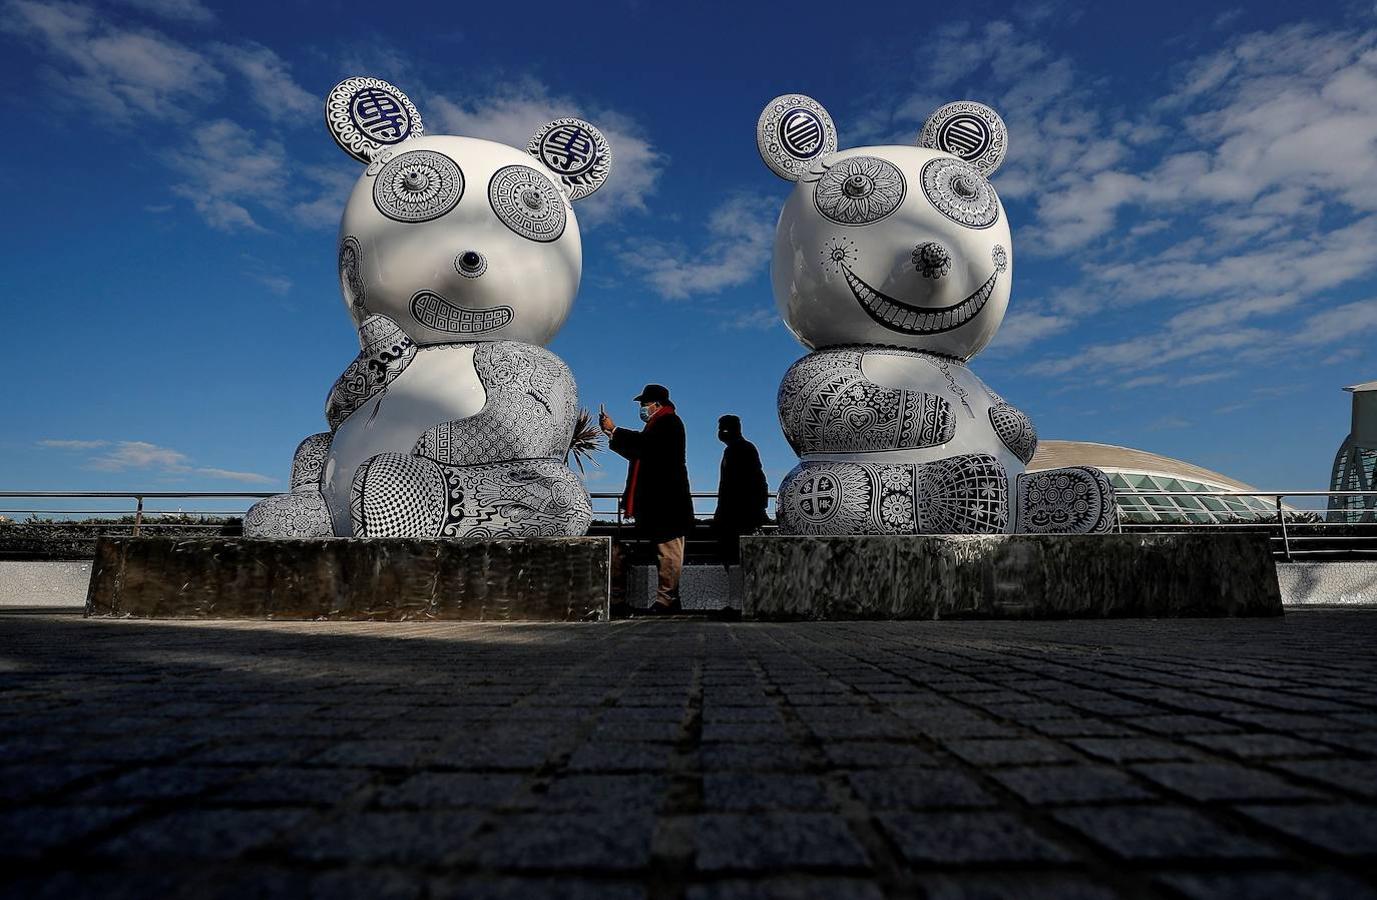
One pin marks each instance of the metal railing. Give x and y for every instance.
(1296, 532)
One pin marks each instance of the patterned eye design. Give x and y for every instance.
(960, 192)
(860, 190)
(527, 203)
(418, 186)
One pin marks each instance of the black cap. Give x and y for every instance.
(653, 393)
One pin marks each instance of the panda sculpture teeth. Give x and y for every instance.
(458, 260)
(894, 265)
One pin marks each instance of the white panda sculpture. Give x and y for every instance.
(893, 264)
(458, 259)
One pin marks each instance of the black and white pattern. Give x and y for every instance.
(959, 495)
(859, 190)
(386, 352)
(793, 130)
(971, 131)
(931, 260)
(966, 494)
(826, 405)
(530, 411)
(395, 495)
(418, 186)
(365, 115)
(576, 152)
(308, 463)
(960, 192)
(351, 277)
(434, 311)
(300, 514)
(943, 365)
(1015, 430)
(1074, 500)
(527, 203)
(410, 496)
(1000, 257)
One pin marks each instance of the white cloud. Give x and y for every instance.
(122, 74)
(225, 167)
(192, 12)
(142, 456)
(271, 84)
(515, 113)
(740, 234)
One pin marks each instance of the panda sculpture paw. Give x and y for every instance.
(396, 495)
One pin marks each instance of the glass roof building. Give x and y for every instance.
(1132, 470)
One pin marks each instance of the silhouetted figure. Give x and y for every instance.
(657, 496)
(742, 492)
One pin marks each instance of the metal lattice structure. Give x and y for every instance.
(1355, 465)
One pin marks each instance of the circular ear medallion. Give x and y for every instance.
(365, 115)
(971, 131)
(792, 131)
(576, 151)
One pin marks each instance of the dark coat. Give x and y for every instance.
(662, 505)
(742, 491)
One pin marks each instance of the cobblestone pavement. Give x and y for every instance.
(689, 759)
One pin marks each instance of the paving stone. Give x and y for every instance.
(980, 837)
(160, 783)
(1320, 885)
(621, 756)
(30, 831)
(876, 754)
(918, 789)
(1351, 775)
(738, 792)
(999, 752)
(1339, 828)
(1221, 781)
(1026, 885)
(1122, 750)
(451, 789)
(294, 786)
(605, 841)
(1260, 746)
(625, 793)
(812, 888)
(563, 888)
(775, 841)
(203, 833)
(1046, 785)
(424, 837)
(1161, 832)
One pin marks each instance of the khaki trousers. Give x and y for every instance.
(669, 561)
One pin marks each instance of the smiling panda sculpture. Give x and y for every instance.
(893, 264)
(458, 259)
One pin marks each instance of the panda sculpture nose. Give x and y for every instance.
(471, 263)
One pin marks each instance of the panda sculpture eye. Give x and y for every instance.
(418, 186)
(960, 192)
(860, 190)
(527, 203)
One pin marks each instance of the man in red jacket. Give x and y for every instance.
(657, 496)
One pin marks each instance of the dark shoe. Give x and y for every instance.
(664, 609)
(620, 610)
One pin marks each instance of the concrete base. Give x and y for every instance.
(1008, 576)
(1329, 583)
(44, 582)
(545, 579)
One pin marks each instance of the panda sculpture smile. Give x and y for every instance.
(458, 259)
(894, 264)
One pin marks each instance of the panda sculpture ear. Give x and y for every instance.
(576, 152)
(968, 130)
(367, 116)
(791, 132)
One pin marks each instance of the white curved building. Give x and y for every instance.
(1138, 470)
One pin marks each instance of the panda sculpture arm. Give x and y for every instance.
(385, 354)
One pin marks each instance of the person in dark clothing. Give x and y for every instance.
(657, 497)
(742, 492)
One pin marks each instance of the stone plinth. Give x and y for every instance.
(540, 579)
(1008, 576)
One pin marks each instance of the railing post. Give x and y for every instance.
(138, 516)
(1285, 538)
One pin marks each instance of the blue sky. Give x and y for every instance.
(1193, 191)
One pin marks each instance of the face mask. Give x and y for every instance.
(645, 414)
